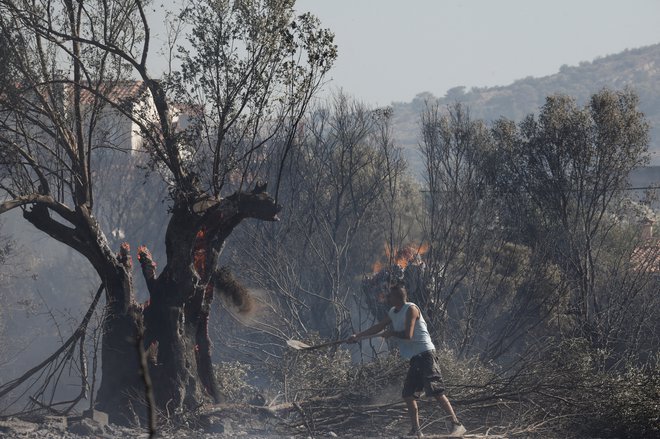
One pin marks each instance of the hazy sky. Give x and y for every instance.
(391, 50)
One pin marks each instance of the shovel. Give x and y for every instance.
(301, 346)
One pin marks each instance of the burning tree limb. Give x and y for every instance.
(404, 266)
(148, 267)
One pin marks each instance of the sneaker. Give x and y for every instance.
(415, 432)
(457, 431)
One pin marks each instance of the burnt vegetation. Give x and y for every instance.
(535, 267)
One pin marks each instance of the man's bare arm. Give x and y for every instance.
(375, 329)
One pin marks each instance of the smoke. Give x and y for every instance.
(230, 288)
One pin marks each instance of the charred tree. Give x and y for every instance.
(177, 314)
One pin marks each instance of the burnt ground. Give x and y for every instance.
(327, 419)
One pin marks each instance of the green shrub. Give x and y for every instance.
(630, 402)
(571, 385)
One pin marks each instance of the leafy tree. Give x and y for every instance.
(538, 260)
(565, 171)
(485, 293)
(248, 75)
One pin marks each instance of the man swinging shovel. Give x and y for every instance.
(409, 330)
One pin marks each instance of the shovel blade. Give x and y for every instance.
(300, 346)
(297, 345)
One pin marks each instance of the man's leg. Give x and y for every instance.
(412, 384)
(413, 412)
(457, 428)
(446, 405)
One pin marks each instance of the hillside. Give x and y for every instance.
(635, 68)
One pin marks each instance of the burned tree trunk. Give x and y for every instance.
(177, 315)
(120, 382)
(121, 393)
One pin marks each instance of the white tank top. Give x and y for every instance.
(420, 341)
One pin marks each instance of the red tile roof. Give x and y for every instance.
(117, 92)
(646, 257)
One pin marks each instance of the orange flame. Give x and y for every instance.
(377, 267)
(144, 255)
(199, 255)
(402, 256)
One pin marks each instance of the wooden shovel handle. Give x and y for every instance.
(323, 345)
(336, 342)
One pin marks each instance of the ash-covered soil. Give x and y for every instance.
(239, 421)
(54, 427)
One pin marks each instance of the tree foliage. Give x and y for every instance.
(486, 293)
(566, 170)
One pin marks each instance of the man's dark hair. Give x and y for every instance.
(399, 291)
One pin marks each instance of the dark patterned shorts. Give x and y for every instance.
(423, 374)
